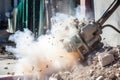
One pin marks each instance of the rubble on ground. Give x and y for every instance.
(99, 65)
(103, 64)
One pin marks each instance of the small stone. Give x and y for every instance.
(118, 46)
(8, 73)
(117, 74)
(46, 66)
(112, 52)
(92, 78)
(61, 56)
(8, 63)
(91, 72)
(105, 59)
(5, 67)
(112, 75)
(40, 70)
(100, 78)
(115, 65)
(12, 73)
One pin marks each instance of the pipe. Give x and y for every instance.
(26, 18)
(109, 12)
(33, 17)
(23, 13)
(41, 18)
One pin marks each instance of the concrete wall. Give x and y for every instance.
(111, 37)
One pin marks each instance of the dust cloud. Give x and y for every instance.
(42, 56)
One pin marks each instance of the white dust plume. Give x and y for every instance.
(43, 56)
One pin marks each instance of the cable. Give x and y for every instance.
(108, 25)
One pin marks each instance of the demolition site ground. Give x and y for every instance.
(103, 64)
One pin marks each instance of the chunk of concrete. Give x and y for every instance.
(105, 59)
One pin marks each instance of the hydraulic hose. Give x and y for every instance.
(109, 12)
(111, 26)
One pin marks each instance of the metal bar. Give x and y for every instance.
(26, 19)
(23, 19)
(33, 26)
(109, 12)
(47, 15)
(41, 18)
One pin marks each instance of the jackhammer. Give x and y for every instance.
(89, 37)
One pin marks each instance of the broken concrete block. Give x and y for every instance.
(105, 58)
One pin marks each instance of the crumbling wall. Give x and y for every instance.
(110, 36)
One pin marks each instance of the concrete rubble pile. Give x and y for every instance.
(103, 64)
